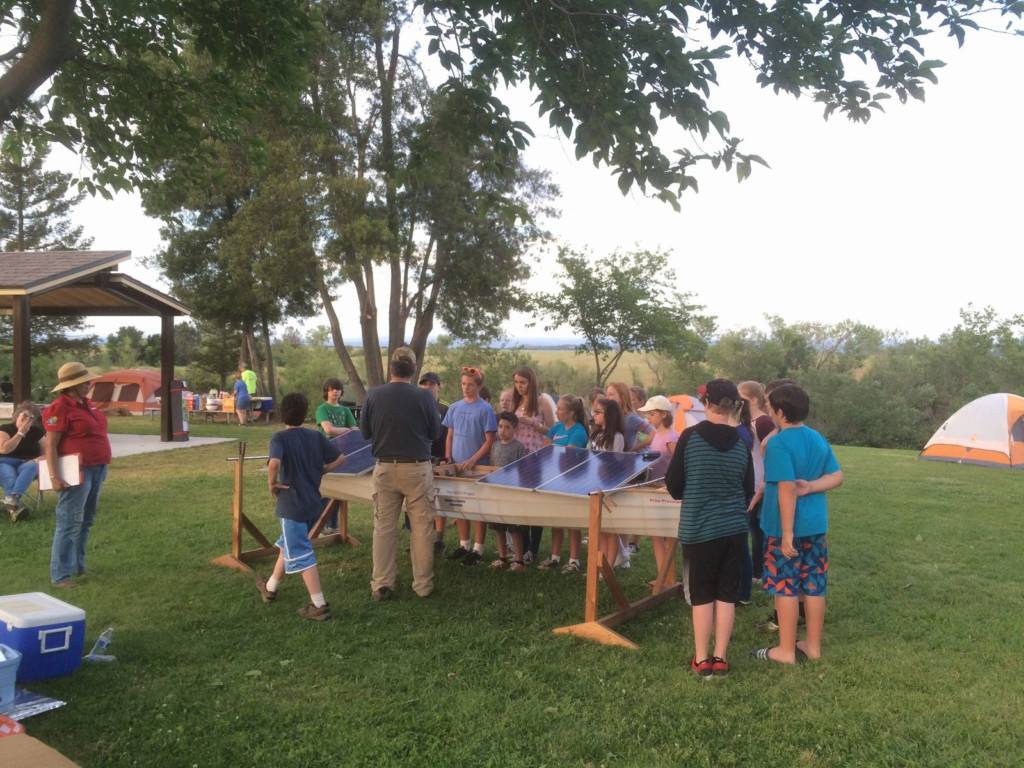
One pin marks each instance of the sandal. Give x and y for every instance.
(517, 566)
(761, 654)
(551, 562)
(500, 564)
(573, 566)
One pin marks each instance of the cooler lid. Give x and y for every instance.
(36, 609)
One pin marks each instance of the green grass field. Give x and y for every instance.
(923, 662)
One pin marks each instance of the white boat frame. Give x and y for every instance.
(641, 510)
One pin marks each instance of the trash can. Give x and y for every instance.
(179, 414)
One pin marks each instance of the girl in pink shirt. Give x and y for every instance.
(658, 411)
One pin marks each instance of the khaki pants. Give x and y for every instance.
(392, 485)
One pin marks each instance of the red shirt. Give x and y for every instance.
(84, 429)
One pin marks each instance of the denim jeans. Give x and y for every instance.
(16, 475)
(531, 542)
(76, 510)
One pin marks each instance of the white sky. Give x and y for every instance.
(898, 223)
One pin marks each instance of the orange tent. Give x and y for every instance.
(988, 431)
(133, 389)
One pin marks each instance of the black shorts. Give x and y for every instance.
(714, 569)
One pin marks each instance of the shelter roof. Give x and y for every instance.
(35, 271)
(79, 283)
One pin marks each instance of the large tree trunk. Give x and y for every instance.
(271, 380)
(49, 47)
(386, 79)
(339, 342)
(368, 326)
(426, 305)
(21, 205)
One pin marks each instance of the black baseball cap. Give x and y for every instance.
(718, 390)
(430, 377)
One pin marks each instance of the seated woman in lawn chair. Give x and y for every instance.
(21, 445)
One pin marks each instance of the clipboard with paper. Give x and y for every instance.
(68, 468)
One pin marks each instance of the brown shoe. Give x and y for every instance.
(382, 594)
(64, 584)
(267, 595)
(323, 613)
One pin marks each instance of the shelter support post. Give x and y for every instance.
(238, 558)
(22, 349)
(599, 630)
(166, 374)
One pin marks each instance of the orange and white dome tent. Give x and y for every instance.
(988, 431)
(689, 411)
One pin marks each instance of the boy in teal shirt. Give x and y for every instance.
(799, 467)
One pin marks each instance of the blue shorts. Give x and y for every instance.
(805, 574)
(295, 546)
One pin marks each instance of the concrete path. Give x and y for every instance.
(130, 445)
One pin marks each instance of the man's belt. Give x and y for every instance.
(399, 460)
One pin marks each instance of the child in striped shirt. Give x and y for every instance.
(712, 472)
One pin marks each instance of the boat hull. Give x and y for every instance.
(641, 511)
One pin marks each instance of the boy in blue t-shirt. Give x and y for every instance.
(298, 459)
(799, 467)
(472, 426)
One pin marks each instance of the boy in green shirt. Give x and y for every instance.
(332, 419)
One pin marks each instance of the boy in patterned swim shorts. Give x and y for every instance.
(799, 467)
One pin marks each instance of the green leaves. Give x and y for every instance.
(612, 69)
(623, 302)
(151, 80)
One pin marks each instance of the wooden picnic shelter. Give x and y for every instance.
(63, 283)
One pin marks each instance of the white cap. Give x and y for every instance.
(657, 403)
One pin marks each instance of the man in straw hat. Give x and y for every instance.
(74, 426)
(402, 421)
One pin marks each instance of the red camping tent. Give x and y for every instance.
(133, 389)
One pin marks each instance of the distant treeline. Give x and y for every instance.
(868, 387)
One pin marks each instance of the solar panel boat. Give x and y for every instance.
(551, 487)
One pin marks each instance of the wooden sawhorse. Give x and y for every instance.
(239, 558)
(600, 629)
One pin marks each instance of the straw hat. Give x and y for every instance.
(71, 375)
(657, 403)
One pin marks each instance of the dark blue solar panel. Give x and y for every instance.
(350, 442)
(538, 468)
(356, 463)
(358, 453)
(602, 472)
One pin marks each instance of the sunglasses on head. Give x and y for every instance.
(470, 371)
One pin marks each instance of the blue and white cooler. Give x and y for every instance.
(47, 632)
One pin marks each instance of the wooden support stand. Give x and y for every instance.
(239, 558)
(600, 629)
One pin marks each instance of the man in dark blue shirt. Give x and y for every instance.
(402, 421)
(298, 459)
